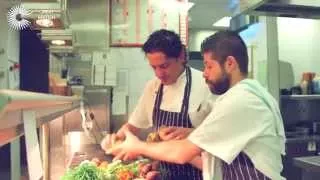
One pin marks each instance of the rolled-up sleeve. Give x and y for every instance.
(230, 126)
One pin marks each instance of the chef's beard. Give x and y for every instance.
(220, 86)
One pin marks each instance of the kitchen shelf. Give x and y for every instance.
(46, 106)
(301, 97)
(310, 166)
(17, 107)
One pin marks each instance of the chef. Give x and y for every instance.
(243, 136)
(176, 99)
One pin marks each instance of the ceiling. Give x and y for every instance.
(205, 12)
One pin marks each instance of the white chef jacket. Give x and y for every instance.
(200, 100)
(241, 121)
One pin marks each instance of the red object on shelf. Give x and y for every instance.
(15, 66)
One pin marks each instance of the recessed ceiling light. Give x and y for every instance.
(58, 42)
(44, 22)
(223, 22)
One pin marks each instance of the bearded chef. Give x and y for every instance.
(243, 136)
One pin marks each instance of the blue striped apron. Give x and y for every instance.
(179, 119)
(241, 168)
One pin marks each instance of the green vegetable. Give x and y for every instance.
(88, 171)
(85, 171)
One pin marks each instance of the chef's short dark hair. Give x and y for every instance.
(227, 43)
(165, 41)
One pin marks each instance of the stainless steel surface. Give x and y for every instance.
(282, 8)
(299, 115)
(242, 22)
(79, 143)
(301, 97)
(44, 141)
(97, 101)
(56, 141)
(76, 148)
(67, 135)
(89, 23)
(47, 107)
(310, 163)
(56, 9)
(310, 167)
(88, 152)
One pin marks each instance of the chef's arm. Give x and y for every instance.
(196, 162)
(175, 151)
(127, 126)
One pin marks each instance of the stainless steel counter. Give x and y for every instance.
(87, 152)
(310, 166)
(18, 108)
(310, 163)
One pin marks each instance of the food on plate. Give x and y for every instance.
(85, 171)
(116, 170)
(103, 164)
(96, 161)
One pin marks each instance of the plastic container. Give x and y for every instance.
(316, 84)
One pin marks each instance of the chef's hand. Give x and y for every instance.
(108, 141)
(174, 133)
(115, 138)
(126, 127)
(127, 149)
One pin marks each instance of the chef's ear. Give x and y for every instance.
(183, 54)
(230, 64)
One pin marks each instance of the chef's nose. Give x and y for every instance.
(204, 74)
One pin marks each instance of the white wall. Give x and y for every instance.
(134, 62)
(3, 48)
(299, 45)
(9, 50)
(256, 38)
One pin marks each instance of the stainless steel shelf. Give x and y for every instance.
(17, 107)
(301, 97)
(46, 107)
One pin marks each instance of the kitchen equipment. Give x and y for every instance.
(316, 84)
(75, 80)
(302, 128)
(306, 83)
(296, 90)
(316, 127)
(285, 92)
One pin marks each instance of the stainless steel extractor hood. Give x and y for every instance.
(241, 22)
(282, 8)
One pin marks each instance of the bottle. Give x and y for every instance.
(304, 83)
(316, 84)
